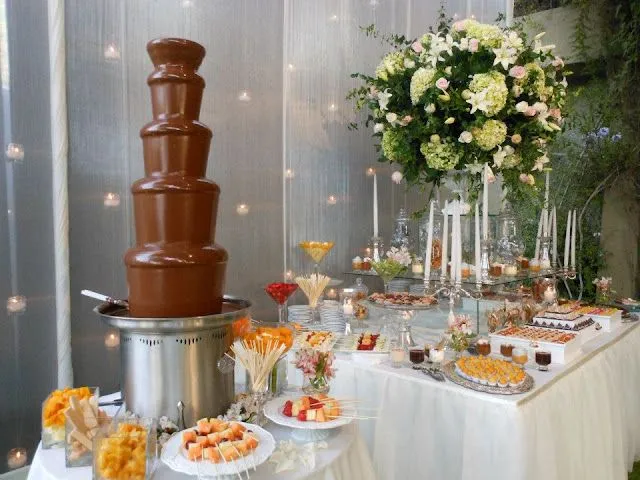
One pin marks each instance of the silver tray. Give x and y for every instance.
(450, 373)
(369, 303)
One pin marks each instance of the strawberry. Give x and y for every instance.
(288, 405)
(302, 416)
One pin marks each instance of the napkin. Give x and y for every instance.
(289, 455)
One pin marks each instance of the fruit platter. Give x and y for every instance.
(490, 375)
(402, 301)
(319, 340)
(306, 412)
(363, 343)
(217, 448)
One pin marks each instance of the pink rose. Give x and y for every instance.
(555, 113)
(530, 112)
(558, 62)
(405, 120)
(518, 71)
(474, 44)
(458, 26)
(442, 83)
(417, 47)
(527, 178)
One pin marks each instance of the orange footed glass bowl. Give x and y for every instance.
(316, 250)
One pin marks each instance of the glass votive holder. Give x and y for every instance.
(483, 347)
(53, 410)
(436, 355)
(519, 356)
(126, 448)
(397, 355)
(543, 359)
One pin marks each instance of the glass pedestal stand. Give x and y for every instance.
(303, 435)
(454, 291)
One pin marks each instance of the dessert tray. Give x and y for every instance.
(366, 342)
(563, 345)
(318, 339)
(402, 301)
(608, 317)
(536, 334)
(576, 324)
(485, 381)
(176, 456)
(274, 409)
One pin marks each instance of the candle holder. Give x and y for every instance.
(545, 257)
(377, 248)
(485, 248)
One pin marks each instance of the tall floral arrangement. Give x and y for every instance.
(467, 95)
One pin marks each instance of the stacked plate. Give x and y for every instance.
(399, 285)
(416, 289)
(331, 317)
(301, 314)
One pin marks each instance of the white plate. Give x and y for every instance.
(349, 344)
(176, 457)
(273, 411)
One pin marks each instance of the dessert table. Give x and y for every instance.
(345, 458)
(581, 420)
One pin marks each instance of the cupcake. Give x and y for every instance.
(356, 263)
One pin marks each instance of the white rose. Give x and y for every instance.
(396, 177)
(430, 108)
(522, 106)
(448, 70)
(408, 63)
(378, 127)
(465, 137)
(391, 118)
(540, 107)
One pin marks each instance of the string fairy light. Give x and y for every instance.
(15, 152)
(371, 172)
(111, 340)
(244, 96)
(16, 304)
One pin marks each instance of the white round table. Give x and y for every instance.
(346, 458)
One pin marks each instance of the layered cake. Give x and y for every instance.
(175, 269)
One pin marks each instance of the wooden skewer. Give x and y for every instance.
(244, 460)
(227, 463)
(353, 417)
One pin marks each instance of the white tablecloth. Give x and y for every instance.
(346, 458)
(581, 421)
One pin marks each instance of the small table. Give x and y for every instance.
(345, 458)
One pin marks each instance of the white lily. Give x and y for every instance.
(540, 163)
(383, 99)
(505, 56)
(478, 101)
(392, 118)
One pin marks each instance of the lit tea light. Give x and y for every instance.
(187, 3)
(332, 200)
(291, 67)
(288, 275)
(333, 18)
(289, 173)
(371, 172)
(242, 209)
(15, 151)
(111, 340)
(332, 293)
(367, 251)
(333, 107)
(112, 52)
(111, 200)
(16, 458)
(244, 96)
(16, 304)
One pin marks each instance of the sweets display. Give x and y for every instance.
(320, 408)
(364, 342)
(84, 420)
(123, 453)
(319, 340)
(609, 318)
(276, 335)
(489, 371)
(402, 299)
(175, 269)
(53, 413)
(575, 324)
(218, 441)
(316, 250)
(537, 334)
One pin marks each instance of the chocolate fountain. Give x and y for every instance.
(178, 324)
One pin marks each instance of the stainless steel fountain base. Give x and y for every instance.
(165, 361)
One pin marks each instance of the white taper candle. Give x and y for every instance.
(567, 241)
(537, 253)
(485, 203)
(554, 239)
(445, 238)
(458, 244)
(427, 260)
(375, 205)
(573, 240)
(478, 271)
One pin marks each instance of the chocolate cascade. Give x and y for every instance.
(175, 269)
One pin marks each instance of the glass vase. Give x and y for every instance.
(316, 385)
(603, 294)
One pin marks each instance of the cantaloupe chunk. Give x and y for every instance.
(320, 415)
(194, 452)
(203, 425)
(188, 436)
(306, 403)
(219, 426)
(237, 429)
(213, 439)
(202, 439)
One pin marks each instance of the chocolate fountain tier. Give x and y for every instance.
(175, 269)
